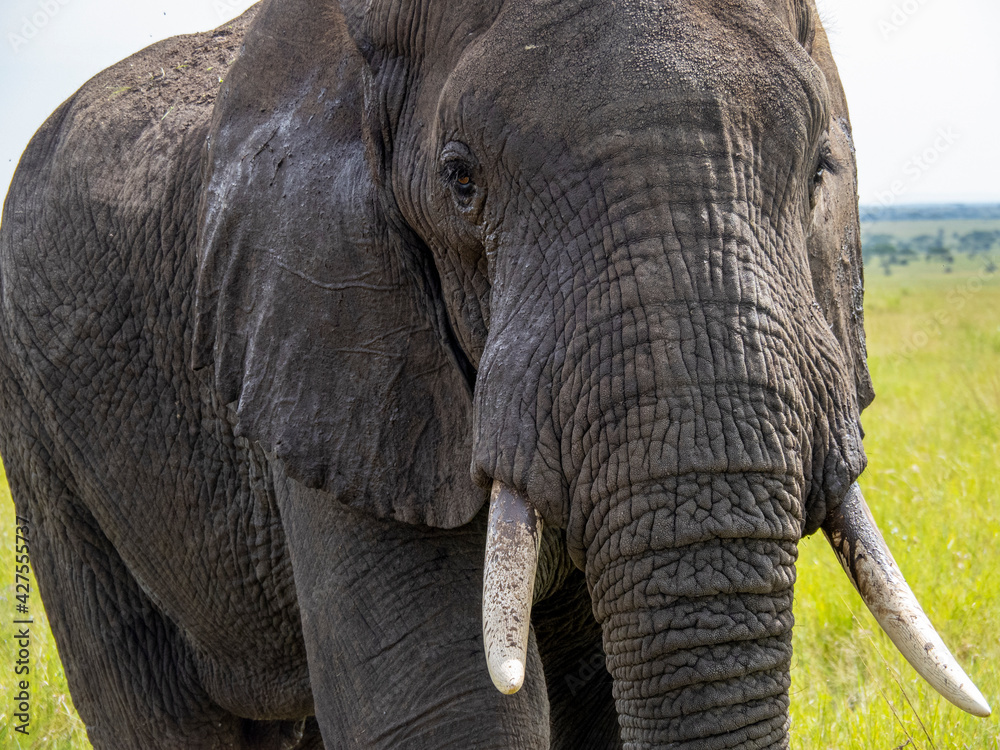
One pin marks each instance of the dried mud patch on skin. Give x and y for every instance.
(177, 72)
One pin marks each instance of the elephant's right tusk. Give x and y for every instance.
(512, 540)
(869, 564)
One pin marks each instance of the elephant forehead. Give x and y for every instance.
(564, 68)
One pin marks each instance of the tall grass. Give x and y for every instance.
(933, 444)
(933, 483)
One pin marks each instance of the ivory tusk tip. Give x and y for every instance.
(513, 536)
(866, 559)
(974, 702)
(508, 676)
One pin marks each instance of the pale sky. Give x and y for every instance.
(922, 80)
(923, 86)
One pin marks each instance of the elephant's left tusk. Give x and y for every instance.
(869, 564)
(512, 540)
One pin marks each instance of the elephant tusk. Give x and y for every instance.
(512, 541)
(866, 559)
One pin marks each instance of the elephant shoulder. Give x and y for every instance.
(166, 77)
(105, 197)
(124, 135)
(149, 103)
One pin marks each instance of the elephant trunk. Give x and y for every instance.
(697, 617)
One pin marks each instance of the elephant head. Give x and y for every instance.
(602, 257)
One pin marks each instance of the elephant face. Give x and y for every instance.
(607, 254)
(617, 238)
(608, 211)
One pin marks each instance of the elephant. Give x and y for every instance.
(445, 375)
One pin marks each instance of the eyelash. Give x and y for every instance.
(825, 163)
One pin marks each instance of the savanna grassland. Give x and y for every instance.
(907, 230)
(933, 482)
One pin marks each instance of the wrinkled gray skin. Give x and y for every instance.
(254, 336)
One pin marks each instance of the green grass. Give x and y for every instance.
(933, 444)
(933, 483)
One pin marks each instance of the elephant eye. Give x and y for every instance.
(458, 169)
(824, 163)
(458, 175)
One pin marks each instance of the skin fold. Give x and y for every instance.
(267, 343)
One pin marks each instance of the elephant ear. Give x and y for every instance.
(318, 313)
(835, 233)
